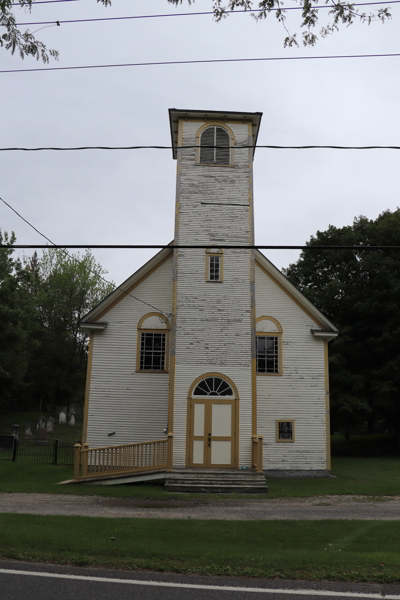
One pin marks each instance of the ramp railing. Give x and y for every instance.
(118, 460)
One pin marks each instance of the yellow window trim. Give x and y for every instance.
(293, 421)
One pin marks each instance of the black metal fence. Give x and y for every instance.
(39, 452)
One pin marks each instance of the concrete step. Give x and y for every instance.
(216, 480)
(215, 488)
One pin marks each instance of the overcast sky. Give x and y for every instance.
(127, 197)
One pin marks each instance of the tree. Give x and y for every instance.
(13, 322)
(340, 13)
(43, 352)
(68, 288)
(25, 43)
(359, 292)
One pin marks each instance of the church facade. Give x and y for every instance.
(228, 353)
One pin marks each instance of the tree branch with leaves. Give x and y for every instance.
(24, 43)
(340, 13)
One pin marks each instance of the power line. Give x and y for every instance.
(187, 14)
(63, 248)
(191, 247)
(45, 2)
(197, 62)
(270, 147)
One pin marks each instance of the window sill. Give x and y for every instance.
(199, 164)
(270, 374)
(153, 372)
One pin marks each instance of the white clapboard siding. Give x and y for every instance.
(213, 319)
(299, 394)
(134, 405)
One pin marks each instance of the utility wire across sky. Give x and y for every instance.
(198, 62)
(187, 14)
(63, 249)
(189, 147)
(189, 246)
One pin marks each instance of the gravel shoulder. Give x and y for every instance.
(315, 508)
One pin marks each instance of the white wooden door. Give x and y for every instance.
(212, 433)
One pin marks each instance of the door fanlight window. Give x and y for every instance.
(213, 386)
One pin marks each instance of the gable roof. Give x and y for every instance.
(154, 263)
(127, 286)
(283, 282)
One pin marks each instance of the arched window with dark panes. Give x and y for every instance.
(215, 146)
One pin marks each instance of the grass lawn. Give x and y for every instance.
(314, 550)
(364, 476)
(64, 433)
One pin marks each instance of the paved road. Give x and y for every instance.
(24, 581)
(326, 507)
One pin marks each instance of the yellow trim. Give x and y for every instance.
(252, 282)
(207, 256)
(253, 396)
(154, 314)
(279, 326)
(172, 370)
(327, 409)
(232, 143)
(87, 389)
(293, 421)
(166, 355)
(131, 288)
(278, 283)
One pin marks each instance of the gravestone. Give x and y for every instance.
(50, 424)
(41, 436)
(28, 429)
(41, 423)
(15, 431)
(62, 418)
(72, 409)
(72, 419)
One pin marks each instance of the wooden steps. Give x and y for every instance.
(221, 481)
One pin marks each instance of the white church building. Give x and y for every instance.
(231, 370)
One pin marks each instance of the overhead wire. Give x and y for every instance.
(205, 61)
(189, 147)
(196, 247)
(191, 14)
(63, 248)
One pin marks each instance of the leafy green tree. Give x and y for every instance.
(24, 43)
(68, 287)
(14, 319)
(359, 291)
(340, 13)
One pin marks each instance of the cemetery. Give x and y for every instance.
(46, 437)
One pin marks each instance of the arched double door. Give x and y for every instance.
(212, 422)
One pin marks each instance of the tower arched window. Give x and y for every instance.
(215, 146)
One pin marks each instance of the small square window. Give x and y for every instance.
(285, 431)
